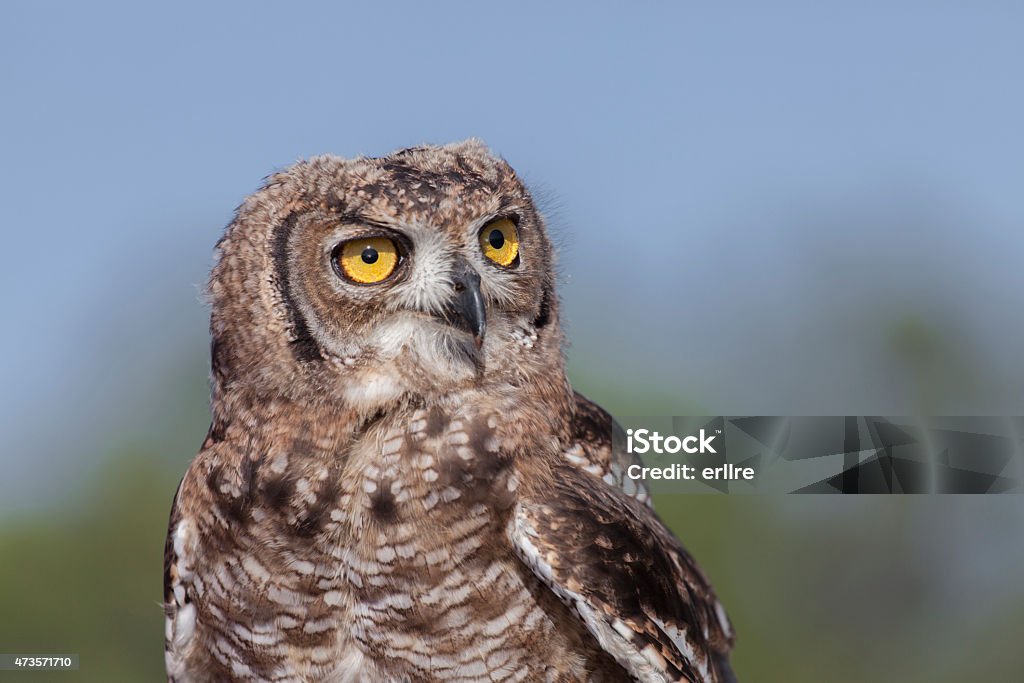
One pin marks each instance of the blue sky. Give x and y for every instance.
(747, 197)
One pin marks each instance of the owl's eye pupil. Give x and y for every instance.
(496, 239)
(369, 255)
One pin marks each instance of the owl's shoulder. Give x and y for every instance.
(597, 446)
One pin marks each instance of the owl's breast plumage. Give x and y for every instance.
(387, 560)
(436, 591)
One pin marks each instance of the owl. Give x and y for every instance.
(399, 482)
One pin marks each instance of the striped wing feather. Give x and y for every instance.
(599, 546)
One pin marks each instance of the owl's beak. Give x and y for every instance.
(467, 310)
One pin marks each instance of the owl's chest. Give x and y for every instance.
(393, 563)
(428, 564)
(425, 494)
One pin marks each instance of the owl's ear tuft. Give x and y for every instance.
(469, 144)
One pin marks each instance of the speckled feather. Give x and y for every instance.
(380, 499)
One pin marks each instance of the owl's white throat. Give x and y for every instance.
(410, 354)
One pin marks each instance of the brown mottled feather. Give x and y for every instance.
(598, 447)
(612, 559)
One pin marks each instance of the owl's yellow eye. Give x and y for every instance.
(499, 241)
(368, 260)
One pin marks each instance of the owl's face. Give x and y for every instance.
(414, 274)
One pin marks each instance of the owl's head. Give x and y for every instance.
(371, 280)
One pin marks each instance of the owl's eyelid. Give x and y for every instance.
(364, 231)
(511, 216)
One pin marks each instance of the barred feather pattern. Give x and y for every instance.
(389, 564)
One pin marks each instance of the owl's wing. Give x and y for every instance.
(622, 571)
(598, 448)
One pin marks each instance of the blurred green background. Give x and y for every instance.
(760, 210)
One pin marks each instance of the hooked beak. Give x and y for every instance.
(466, 310)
